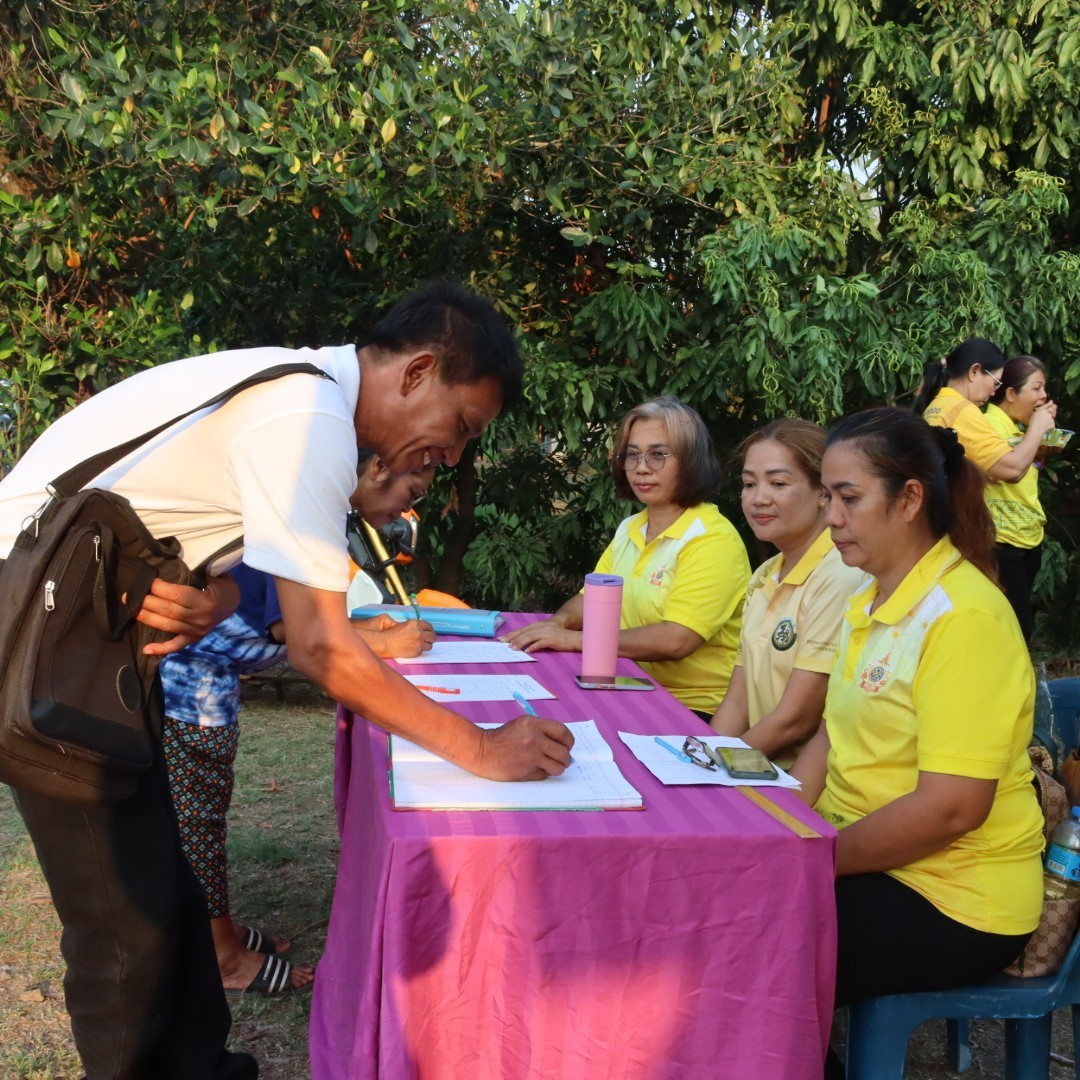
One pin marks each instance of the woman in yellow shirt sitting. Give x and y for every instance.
(952, 393)
(796, 600)
(1015, 507)
(922, 762)
(683, 565)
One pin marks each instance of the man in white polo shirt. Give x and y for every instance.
(274, 468)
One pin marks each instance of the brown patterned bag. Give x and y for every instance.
(1047, 947)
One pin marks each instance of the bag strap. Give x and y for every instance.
(78, 476)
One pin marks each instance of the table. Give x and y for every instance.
(695, 938)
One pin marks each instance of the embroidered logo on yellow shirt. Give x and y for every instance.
(657, 576)
(784, 636)
(875, 675)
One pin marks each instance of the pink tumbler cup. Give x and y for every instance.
(600, 628)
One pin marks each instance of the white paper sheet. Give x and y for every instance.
(422, 781)
(451, 688)
(668, 769)
(469, 652)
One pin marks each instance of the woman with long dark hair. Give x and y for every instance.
(1015, 507)
(952, 393)
(922, 760)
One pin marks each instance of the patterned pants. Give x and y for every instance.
(200, 764)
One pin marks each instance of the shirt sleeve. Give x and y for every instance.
(709, 584)
(972, 690)
(982, 444)
(294, 476)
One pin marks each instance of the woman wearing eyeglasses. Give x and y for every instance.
(683, 565)
(796, 600)
(1015, 507)
(952, 394)
(922, 761)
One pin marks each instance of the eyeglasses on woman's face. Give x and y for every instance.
(997, 381)
(654, 459)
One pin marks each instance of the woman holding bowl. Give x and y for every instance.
(1018, 515)
(796, 600)
(922, 761)
(952, 394)
(683, 565)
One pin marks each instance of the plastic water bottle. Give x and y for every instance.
(1061, 877)
(600, 624)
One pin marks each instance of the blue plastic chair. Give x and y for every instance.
(879, 1028)
(1065, 700)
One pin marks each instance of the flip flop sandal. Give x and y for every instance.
(257, 940)
(274, 977)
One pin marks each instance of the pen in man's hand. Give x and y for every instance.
(415, 605)
(525, 706)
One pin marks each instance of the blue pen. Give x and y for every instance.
(528, 709)
(678, 753)
(415, 605)
(525, 706)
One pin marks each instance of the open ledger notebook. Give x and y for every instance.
(420, 780)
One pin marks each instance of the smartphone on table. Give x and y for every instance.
(745, 763)
(612, 682)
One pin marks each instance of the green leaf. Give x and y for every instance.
(73, 87)
(321, 59)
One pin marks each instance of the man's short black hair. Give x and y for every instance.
(464, 331)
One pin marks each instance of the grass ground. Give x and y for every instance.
(282, 857)
(282, 852)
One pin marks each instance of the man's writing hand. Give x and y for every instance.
(528, 748)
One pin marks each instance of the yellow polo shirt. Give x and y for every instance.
(938, 680)
(794, 623)
(980, 441)
(695, 574)
(1018, 515)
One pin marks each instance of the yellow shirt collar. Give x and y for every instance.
(811, 557)
(675, 531)
(1016, 430)
(920, 580)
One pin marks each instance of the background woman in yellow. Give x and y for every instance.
(953, 391)
(1015, 507)
(922, 761)
(683, 565)
(796, 600)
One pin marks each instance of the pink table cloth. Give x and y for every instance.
(695, 938)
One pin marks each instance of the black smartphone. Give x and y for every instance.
(745, 763)
(612, 682)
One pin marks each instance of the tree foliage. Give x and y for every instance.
(764, 210)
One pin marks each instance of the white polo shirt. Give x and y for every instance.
(275, 465)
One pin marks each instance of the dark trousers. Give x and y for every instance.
(1017, 568)
(142, 986)
(891, 940)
